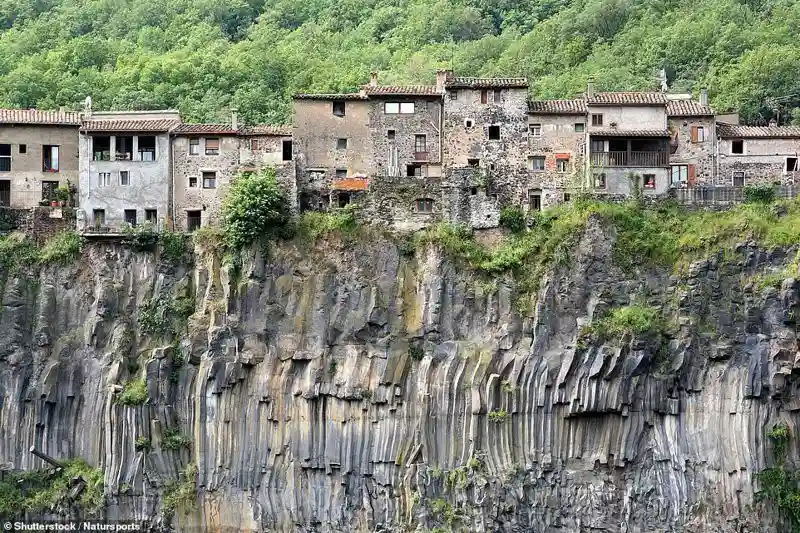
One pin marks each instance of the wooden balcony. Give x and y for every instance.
(629, 159)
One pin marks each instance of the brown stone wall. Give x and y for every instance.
(763, 161)
(558, 138)
(700, 154)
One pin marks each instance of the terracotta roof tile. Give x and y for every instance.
(284, 130)
(485, 83)
(330, 96)
(557, 107)
(627, 98)
(149, 125)
(403, 90)
(217, 129)
(630, 133)
(768, 132)
(688, 108)
(36, 116)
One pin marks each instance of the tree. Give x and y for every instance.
(256, 208)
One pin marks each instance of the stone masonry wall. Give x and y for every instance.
(763, 161)
(699, 154)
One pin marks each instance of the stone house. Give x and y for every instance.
(263, 145)
(693, 138)
(753, 155)
(125, 169)
(38, 154)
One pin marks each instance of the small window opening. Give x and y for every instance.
(50, 159)
(99, 217)
(599, 181)
(791, 164)
(597, 119)
(424, 205)
(468, 123)
(194, 146)
(536, 163)
(49, 190)
(5, 157)
(567, 197)
(390, 135)
(535, 130)
(151, 216)
(498, 95)
(535, 199)
(193, 220)
(23, 148)
(341, 173)
(147, 148)
(562, 165)
(453, 95)
(286, 150)
(101, 148)
(338, 109)
(580, 127)
(737, 147)
(414, 170)
(649, 181)
(192, 181)
(341, 144)
(343, 199)
(494, 133)
(473, 191)
(473, 162)
(209, 180)
(212, 146)
(420, 143)
(124, 148)
(130, 216)
(124, 177)
(738, 179)
(491, 166)
(484, 97)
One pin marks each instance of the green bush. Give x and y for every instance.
(142, 443)
(181, 493)
(312, 224)
(134, 392)
(174, 440)
(17, 252)
(142, 237)
(634, 320)
(759, 194)
(255, 208)
(781, 484)
(416, 352)
(64, 248)
(500, 415)
(173, 245)
(513, 218)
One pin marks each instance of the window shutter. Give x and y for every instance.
(694, 134)
(692, 178)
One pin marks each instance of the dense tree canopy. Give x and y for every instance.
(205, 56)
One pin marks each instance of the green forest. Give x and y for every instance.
(204, 57)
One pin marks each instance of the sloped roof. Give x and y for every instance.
(485, 83)
(557, 107)
(630, 133)
(36, 116)
(767, 132)
(197, 129)
(688, 108)
(401, 90)
(627, 98)
(330, 96)
(284, 130)
(135, 125)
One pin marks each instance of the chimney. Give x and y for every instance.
(441, 79)
(234, 119)
(703, 96)
(773, 123)
(590, 88)
(373, 79)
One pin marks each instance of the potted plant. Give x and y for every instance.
(53, 203)
(62, 195)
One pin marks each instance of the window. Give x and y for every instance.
(536, 162)
(23, 148)
(468, 123)
(151, 216)
(212, 146)
(5, 157)
(424, 205)
(49, 190)
(535, 199)
(256, 145)
(124, 177)
(567, 197)
(414, 170)
(737, 147)
(420, 143)
(473, 162)
(494, 133)
(124, 149)
(192, 181)
(453, 95)
(390, 135)
(101, 148)
(679, 175)
(473, 191)
(193, 219)
(393, 108)
(99, 217)
(791, 164)
(484, 97)
(338, 109)
(194, 146)
(341, 173)
(147, 148)
(286, 150)
(535, 130)
(738, 179)
(491, 166)
(597, 119)
(104, 179)
(343, 199)
(649, 181)
(599, 181)
(130, 216)
(209, 180)
(562, 165)
(580, 127)
(498, 95)
(50, 158)
(698, 134)
(341, 144)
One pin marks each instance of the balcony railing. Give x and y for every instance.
(724, 194)
(629, 159)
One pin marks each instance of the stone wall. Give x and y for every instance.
(763, 161)
(700, 154)
(558, 139)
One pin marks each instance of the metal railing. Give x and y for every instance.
(724, 195)
(21, 199)
(629, 159)
(119, 228)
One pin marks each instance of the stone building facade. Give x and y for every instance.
(125, 169)
(38, 154)
(693, 139)
(751, 155)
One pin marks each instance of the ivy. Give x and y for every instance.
(256, 208)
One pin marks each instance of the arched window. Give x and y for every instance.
(423, 205)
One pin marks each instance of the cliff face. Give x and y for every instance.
(350, 388)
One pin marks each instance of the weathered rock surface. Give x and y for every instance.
(309, 408)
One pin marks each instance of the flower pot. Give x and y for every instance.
(53, 203)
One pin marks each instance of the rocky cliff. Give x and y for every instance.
(349, 387)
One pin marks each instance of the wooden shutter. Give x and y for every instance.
(694, 134)
(692, 176)
(484, 97)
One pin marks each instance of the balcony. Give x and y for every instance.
(629, 159)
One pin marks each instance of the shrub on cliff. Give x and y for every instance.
(62, 249)
(513, 218)
(256, 208)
